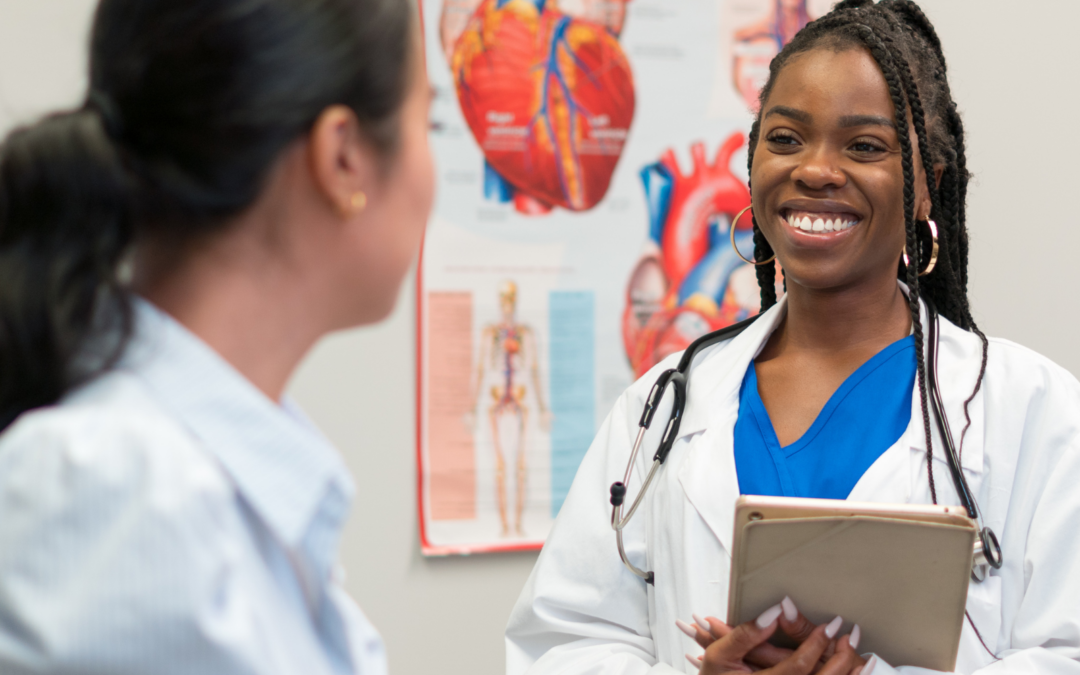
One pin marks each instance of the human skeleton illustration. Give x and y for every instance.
(507, 352)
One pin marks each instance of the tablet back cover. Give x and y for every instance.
(905, 583)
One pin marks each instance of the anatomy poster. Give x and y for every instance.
(591, 159)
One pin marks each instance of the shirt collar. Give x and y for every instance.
(280, 463)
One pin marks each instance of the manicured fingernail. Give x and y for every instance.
(769, 616)
(790, 612)
(853, 639)
(834, 627)
(868, 669)
(703, 623)
(694, 661)
(686, 628)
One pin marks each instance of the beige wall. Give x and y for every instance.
(1013, 69)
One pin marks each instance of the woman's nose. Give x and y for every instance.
(819, 169)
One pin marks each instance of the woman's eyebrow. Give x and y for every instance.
(793, 113)
(848, 121)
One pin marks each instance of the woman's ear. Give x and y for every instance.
(342, 162)
(925, 205)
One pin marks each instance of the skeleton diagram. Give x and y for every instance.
(507, 351)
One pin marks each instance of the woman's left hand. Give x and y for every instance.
(706, 631)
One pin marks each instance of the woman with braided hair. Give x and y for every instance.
(858, 177)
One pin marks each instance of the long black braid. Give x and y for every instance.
(904, 44)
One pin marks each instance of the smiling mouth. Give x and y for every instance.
(814, 222)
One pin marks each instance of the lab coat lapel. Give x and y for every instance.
(708, 474)
(959, 360)
(899, 475)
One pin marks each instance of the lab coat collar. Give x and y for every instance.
(284, 468)
(714, 382)
(713, 407)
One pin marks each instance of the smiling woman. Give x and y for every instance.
(858, 179)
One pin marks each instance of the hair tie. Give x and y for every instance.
(106, 108)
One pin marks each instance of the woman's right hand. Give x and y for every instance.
(744, 649)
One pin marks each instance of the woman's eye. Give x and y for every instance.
(867, 147)
(781, 139)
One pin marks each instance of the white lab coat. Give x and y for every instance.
(582, 612)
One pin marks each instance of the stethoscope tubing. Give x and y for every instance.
(988, 550)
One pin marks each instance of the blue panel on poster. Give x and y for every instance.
(572, 323)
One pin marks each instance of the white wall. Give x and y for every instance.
(1013, 69)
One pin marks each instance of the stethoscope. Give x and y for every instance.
(987, 551)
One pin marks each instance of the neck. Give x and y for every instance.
(839, 320)
(254, 314)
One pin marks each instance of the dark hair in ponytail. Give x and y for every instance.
(190, 103)
(905, 46)
(64, 225)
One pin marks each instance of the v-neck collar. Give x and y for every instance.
(837, 398)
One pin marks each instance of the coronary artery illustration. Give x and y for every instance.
(548, 95)
(688, 280)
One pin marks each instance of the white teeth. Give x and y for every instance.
(819, 224)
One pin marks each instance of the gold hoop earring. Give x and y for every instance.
(736, 248)
(933, 250)
(358, 202)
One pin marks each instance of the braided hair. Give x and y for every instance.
(905, 46)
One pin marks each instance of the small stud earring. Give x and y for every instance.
(358, 202)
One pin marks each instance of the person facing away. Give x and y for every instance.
(858, 177)
(243, 178)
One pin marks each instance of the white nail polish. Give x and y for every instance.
(856, 634)
(834, 627)
(790, 611)
(694, 661)
(868, 669)
(703, 623)
(769, 616)
(686, 628)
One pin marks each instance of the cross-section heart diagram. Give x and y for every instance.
(688, 280)
(549, 98)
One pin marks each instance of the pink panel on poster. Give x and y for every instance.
(452, 463)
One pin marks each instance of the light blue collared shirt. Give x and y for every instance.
(170, 518)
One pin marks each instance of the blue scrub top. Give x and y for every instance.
(862, 419)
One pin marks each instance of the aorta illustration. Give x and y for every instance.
(548, 95)
(688, 280)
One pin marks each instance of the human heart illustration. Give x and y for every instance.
(689, 280)
(549, 98)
